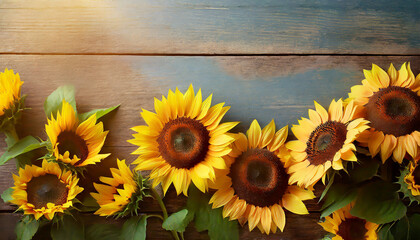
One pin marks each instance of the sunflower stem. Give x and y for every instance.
(11, 136)
(156, 216)
(162, 206)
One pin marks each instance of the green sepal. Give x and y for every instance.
(404, 187)
(378, 202)
(99, 113)
(178, 221)
(13, 114)
(54, 101)
(7, 195)
(26, 228)
(134, 228)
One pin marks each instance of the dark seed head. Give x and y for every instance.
(46, 189)
(74, 144)
(352, 229)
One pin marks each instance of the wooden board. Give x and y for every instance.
(210, 27)
(262, 87)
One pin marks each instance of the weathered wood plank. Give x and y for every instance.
(282, 88)
(293, 229)
(210, 27)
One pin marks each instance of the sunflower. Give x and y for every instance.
(10, 99)
(324, 140)
(183, 141)
(345, 226)
(254, 187)
(116, 193)
(391, 102)
(44, 190)
(412, 178)
(74, 143)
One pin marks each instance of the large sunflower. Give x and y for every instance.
(345, 226)
(324, 140)
(10, 85)
(116, 193)
(44, 191)
(254, 188)
(391, 102)
(74, 143)
(183, 141)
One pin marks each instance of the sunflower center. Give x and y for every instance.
(74, 144)
(46, 189)
(327, 139)
(183, 142)
(394, 110)
(258, 177)
(416, 175)
(352, 229)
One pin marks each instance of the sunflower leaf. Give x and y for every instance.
(378, 202)
(207, 218)
(337, 197)
(7, 195)
(54, 101)
(103, 232)
(178, 221)
(365, 169)
(99, 113)
(385, 232)
(68, 229)
(24, 145)
(26, 228)
(134, 228)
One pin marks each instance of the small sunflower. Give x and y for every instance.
(116, 193)
(345, 226)
(254, 187)
(183, 141)
(410, 180)
(44, 191)
(324, 140)
(74, 143)
(10, 85)
(391, 102)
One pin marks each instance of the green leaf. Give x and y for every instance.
(385, 232)
(103, 232)
(134, 228)
(207, 218)
(53, 102)
(414, 227)
(327, 188)
(68, 229)
(178, 221)
(24, 145)
(378, 202)
(7, 195)
(337, 197)
(26, 228)
(99, 113)
(364, 170)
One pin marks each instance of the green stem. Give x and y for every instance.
(11, 136)
(156, 216)
(162, 206)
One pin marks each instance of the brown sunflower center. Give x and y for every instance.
(74, 144)
(352, 229)
(327, 139)
(46, 189)
(184, 142)
(394, 110)
(416, 175)
(258, 177)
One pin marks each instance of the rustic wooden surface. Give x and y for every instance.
(271, 60)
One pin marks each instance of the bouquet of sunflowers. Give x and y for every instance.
(364, 150)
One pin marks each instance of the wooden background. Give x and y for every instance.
(266, 59)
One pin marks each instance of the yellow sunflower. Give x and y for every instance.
(10, 85)
(74, 143)
(254, 187)
(44, 191)
(391, 102)
(116, 193)
(345, 226)
(183, 141)
(324, 140)
(412, 179)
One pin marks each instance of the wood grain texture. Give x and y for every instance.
(282, 88)
(210, 27)
(293, 229)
